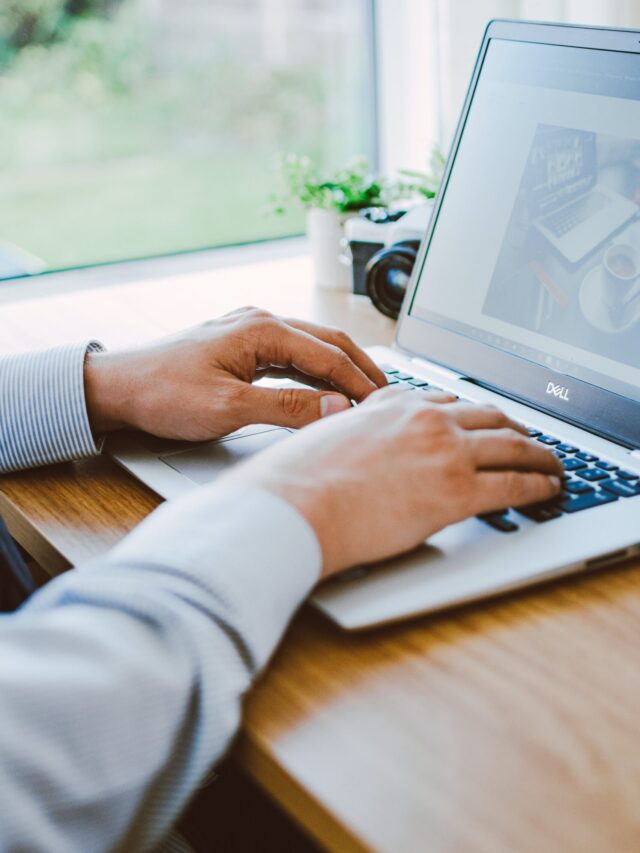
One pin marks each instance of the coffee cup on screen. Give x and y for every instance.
(621, 263)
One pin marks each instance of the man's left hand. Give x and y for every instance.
(198, 385)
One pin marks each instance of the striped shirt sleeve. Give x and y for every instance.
(43, 412)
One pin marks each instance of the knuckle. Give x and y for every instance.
(342, 338)
(516, 487)
(291, 402)
(258, 314)
(389, 397)
(517, 444)
(434, 417)
(340, 360)
(466, 491)
(494, 412)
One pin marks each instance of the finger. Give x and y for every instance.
(281, 345)
(497, 490)
(340, 339)
(390, 392)
(291, 407)
(476, 416)
(506, 448)
(438, 396)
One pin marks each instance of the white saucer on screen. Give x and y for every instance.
(595, 310)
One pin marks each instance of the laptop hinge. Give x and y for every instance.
(436, 368)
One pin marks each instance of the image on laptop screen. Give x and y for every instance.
(536, 250)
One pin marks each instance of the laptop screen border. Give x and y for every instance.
(591, 407)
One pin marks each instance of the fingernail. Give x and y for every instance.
(331, 404)
(555, 481)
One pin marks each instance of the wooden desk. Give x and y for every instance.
(509, 726)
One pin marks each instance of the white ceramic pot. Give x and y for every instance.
(325, 229)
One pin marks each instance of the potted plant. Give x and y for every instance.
(423, 184)
(329, 201)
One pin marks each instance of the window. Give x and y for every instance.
(132, 128)
(426, 53)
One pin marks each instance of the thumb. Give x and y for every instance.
(292, 407)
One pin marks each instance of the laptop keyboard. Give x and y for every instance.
(588, 480)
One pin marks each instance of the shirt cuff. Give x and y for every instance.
(44, 412)
(252, 549)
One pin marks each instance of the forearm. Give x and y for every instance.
(121, 683)
(43, 414)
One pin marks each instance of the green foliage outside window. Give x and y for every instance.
(130, 128)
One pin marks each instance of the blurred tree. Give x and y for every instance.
(24, 22)
(91, 7)
(27, 22)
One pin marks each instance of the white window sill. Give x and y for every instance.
(45, 284)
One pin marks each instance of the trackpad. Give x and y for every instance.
(204, 462)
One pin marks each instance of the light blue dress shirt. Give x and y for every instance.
(121, 682)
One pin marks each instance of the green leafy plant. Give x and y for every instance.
(352, 188)
(426, 184)
(346, 191)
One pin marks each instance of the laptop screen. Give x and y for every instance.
(536, 248)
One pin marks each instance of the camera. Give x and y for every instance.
(383, 246)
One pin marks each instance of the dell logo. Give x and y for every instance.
(558, 391)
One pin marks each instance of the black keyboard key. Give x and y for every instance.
(533, 432)
(548, 439)
(418, 383)
(388, 369)
(576, 503)
(559, 454)
(540, 512)
(592, 475)
(587, 457)
(622, 488)
(606, 466)
(567, 448)
(393, 381)
(577, 487)
(573, 464)
(404, 377)
(627, 475)
(499, 522)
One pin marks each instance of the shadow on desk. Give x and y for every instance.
(232, 814)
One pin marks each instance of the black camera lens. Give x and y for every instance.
(388, 273)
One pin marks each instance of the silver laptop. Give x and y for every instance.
(496, 313)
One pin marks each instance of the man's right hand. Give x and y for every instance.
(380, 479)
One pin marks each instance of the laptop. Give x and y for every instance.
(576, 214)
(470, 324)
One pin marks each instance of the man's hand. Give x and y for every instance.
(378, 480)
(198, 385)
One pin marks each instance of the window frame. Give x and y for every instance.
(408, 128)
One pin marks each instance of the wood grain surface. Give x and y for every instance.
(509, 726)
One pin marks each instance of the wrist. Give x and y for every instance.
(305, 501)
(321, 520)
(106, 391)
